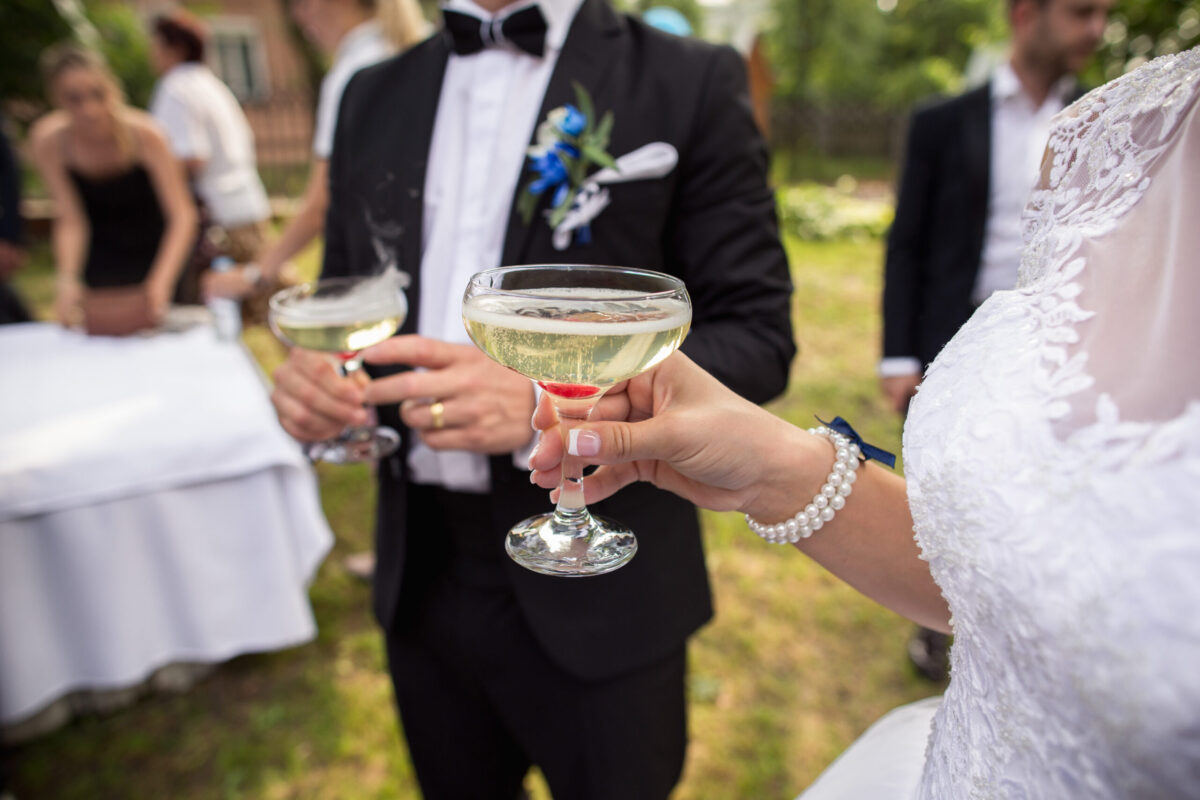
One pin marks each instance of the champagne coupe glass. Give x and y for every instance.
(343, 317)
(576, 331)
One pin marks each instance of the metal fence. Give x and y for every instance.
(838, 130)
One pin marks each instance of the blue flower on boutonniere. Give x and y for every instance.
(569, 143)
(568, 119)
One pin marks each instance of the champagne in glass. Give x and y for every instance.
(343, 317)
(576, 331)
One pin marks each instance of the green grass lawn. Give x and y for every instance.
(793, 668)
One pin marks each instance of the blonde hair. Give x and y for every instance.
(401, 21)
(67, 56)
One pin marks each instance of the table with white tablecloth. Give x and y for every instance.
(152, 511)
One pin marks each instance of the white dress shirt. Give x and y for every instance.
(1019, 133)
(485, 120)
(362, 46)
(202, 120)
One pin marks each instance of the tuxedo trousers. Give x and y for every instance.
(480, 701)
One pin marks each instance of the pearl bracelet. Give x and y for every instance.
(828, 501)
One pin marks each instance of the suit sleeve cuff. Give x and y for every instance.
(896, 366)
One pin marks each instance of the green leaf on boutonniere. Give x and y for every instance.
(526, 205)
(560, 211)
(603, 131)
(583, 101)
(598, 156)
(569, 143)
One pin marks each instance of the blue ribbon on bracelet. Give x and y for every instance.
(869, 451)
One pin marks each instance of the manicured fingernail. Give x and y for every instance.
(583, 443)
(533, 453)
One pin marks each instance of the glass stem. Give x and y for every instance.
(351, 363)
(571, 509)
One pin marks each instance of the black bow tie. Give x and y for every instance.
(526, 29)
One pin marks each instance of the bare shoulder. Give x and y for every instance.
(47, 131)
(147, 133)
(143, 126)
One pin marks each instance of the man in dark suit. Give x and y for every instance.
(495, 667)
(971, 161)
(969, 165)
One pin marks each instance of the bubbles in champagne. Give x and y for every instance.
(580, 337)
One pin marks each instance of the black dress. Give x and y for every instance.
(127, 225)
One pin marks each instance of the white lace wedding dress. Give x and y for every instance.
(1053, 458)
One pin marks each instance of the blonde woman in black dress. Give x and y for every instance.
(124, 215)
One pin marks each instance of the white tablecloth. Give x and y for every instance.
(151, 511)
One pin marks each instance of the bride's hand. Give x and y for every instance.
(680, 429)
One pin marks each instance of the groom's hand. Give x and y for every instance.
(485, 408)
(313, 400)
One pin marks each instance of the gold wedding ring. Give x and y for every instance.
(438, 412)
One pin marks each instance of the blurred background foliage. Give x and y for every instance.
(893, 53)
(879, 57)
(879, 52)
(28, 27)
(889, 53)
(815, 212)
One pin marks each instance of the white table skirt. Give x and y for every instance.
(100, 596)
(187, 532)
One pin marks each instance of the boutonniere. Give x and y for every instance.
(569, 143)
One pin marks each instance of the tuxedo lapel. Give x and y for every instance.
(422, 102)
(590, 48)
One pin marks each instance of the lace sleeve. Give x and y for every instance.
(1116, 221)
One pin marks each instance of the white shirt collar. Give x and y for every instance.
(356, 35)
(558, 13)
(1006, 85)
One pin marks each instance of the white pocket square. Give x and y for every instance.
(654, 160)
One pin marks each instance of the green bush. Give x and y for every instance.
(28, 27)
(814, 212)
(126, 47)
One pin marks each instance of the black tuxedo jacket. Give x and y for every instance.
(936, 241)
(711, 222)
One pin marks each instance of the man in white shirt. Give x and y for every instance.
(497, 668)
(208, 132)
(969, 167)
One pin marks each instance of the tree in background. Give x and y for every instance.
(27, 27)
(1140, 30)
(890, 54)
(880, 53)
(125, 44)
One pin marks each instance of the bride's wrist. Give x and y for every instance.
(802, 463)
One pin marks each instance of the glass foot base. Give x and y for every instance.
(544, 545)
(355, 446)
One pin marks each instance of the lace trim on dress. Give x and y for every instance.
(1122, 128)
(1080, 199)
